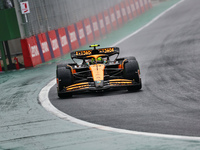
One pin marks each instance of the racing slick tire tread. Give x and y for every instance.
(65, 79)
(120, 60)
(130, 58)
(131, 72)
(62, 65)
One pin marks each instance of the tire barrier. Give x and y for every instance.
(55, 43)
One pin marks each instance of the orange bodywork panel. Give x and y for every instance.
(97, 71)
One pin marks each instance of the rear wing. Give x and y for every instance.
(84, 53)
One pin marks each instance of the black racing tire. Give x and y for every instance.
(120, 60)
(131, 72)
(130, 58)
(62, 65)
(65, 78)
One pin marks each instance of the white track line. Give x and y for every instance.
(45, 102)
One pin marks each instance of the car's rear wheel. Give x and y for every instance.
(65, 79)
(132, 71)
(130, 58)
(62, 65)
(120, 60)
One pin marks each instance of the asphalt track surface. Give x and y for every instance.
(168, 52)
(26, 125)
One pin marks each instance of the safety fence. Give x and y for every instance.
(48, 15)
(45, 46)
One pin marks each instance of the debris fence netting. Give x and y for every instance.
(48, 15)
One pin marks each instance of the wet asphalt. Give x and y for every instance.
(168, 52)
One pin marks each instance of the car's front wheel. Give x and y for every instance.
(65, 78)
(132, 72)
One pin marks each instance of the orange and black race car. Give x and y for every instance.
(97, 72)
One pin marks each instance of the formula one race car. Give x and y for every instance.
(97, 72)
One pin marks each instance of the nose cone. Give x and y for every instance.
(97, 71)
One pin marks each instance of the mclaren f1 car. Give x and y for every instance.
(97, 72)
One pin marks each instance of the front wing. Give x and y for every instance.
(90, 86)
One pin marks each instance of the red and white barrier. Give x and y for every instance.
(44, 45)
(63, 40)
(95, 27)
(81, 33)
(54, 43)
(142, 5)
(73, 37)
(107, 21)
(101, 24)
(137, 5)
(88, 30)
(128, 9)
(146, 5)
(133, 8)
(30, 52)
(118, 14)
(113, 18)
(123, 10)
(150, 4)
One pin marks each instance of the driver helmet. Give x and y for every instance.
(92, 61)
(99, 59)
